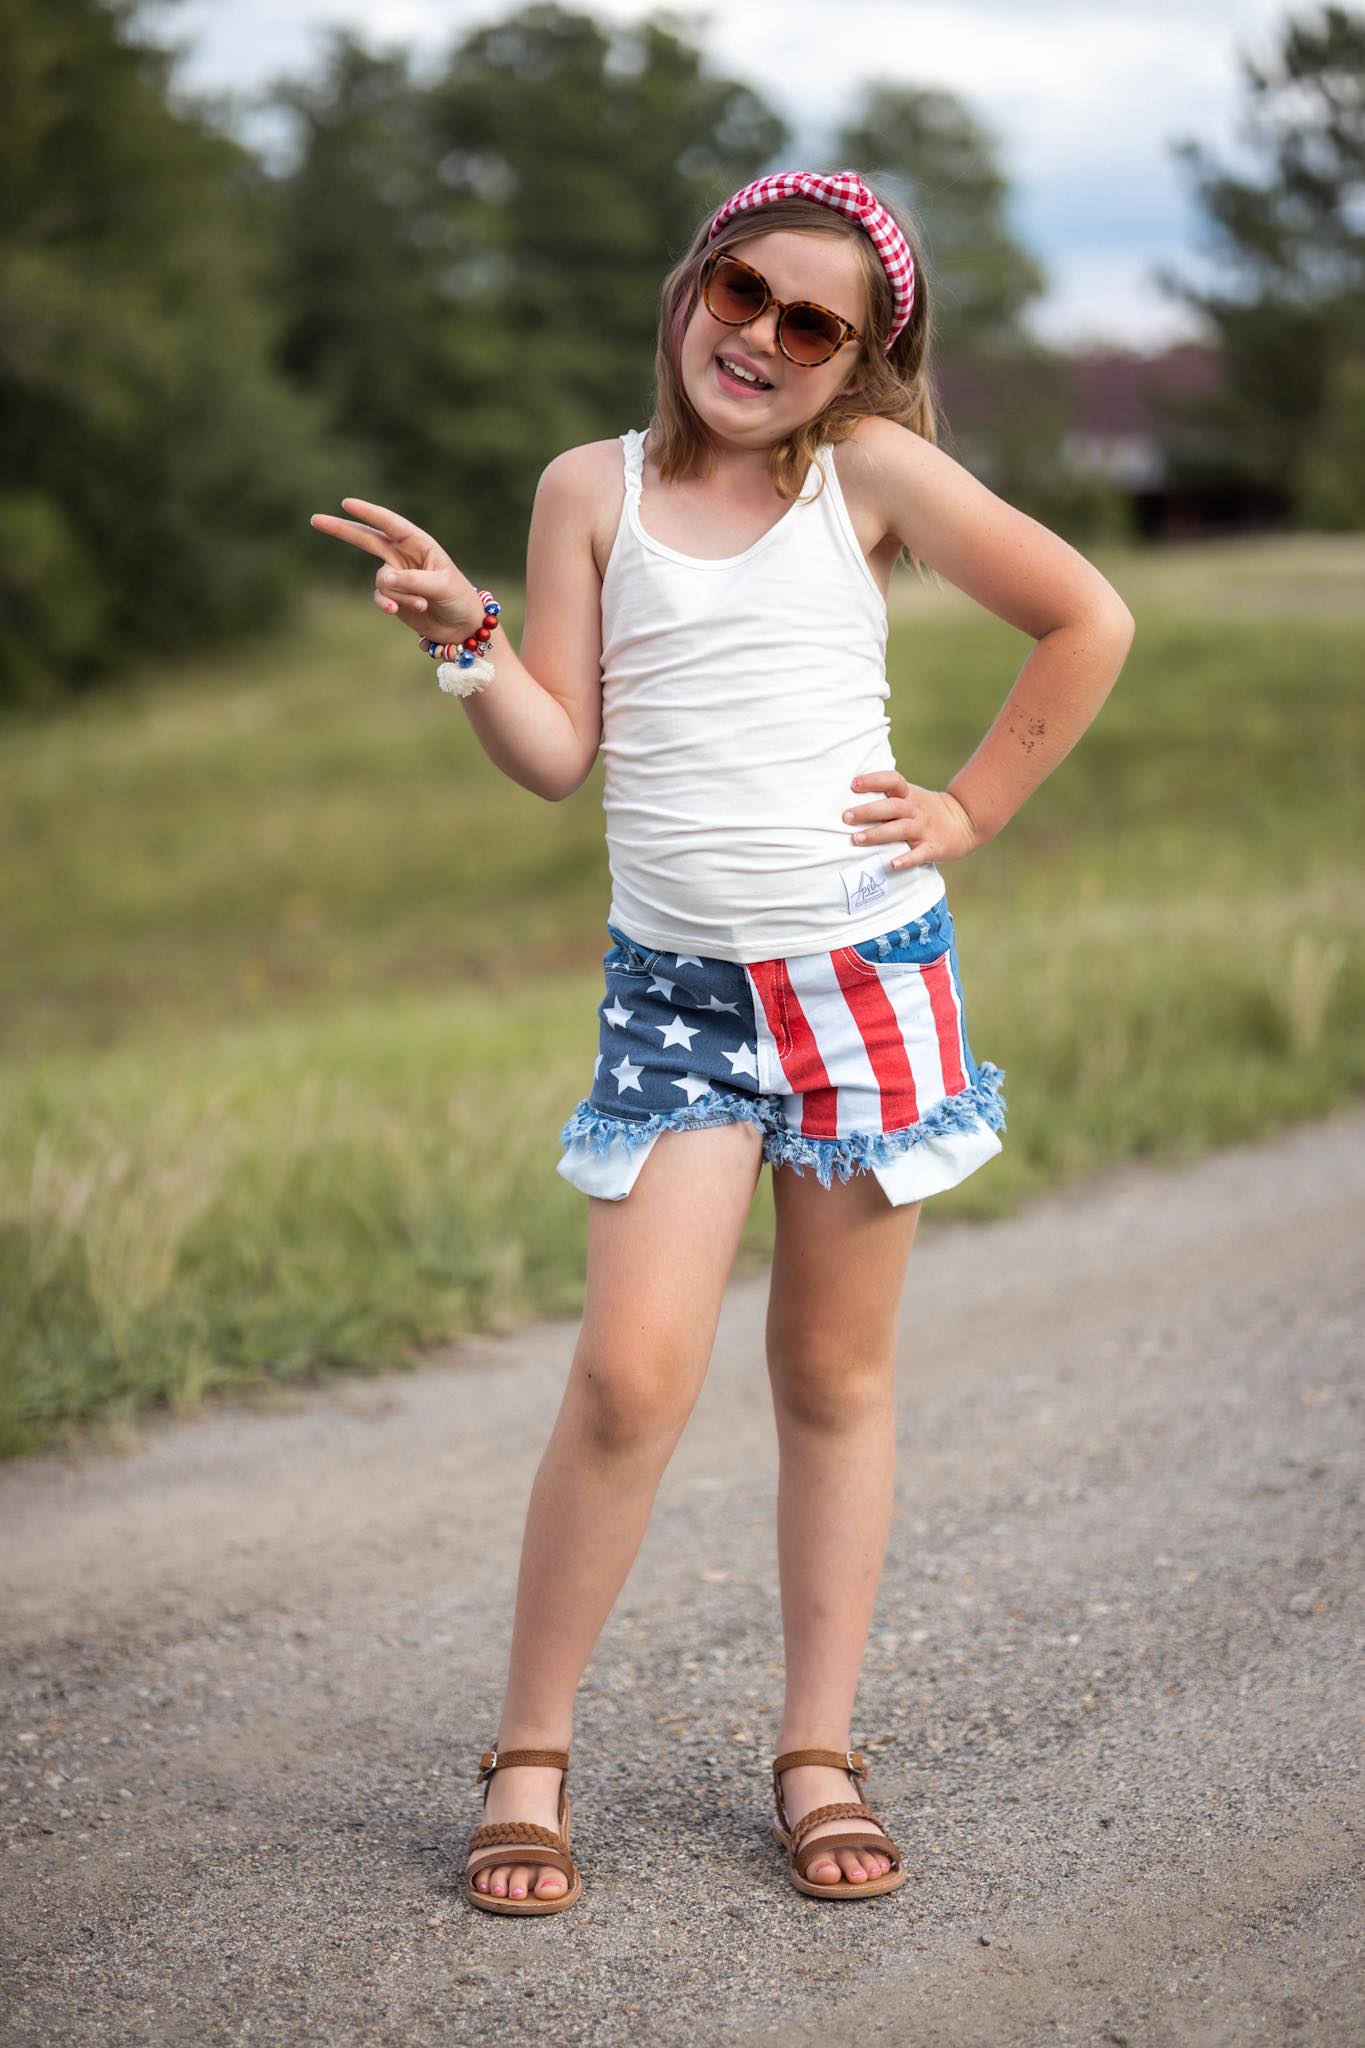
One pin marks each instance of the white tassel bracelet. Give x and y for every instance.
(465, 667)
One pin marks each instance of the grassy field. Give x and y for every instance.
(296, 989)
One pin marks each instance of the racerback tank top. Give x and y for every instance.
(739, 699)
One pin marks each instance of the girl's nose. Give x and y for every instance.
(763, 327)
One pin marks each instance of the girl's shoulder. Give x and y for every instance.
(586, 469)
(903, 486)
(589, 484)
(861, 461)
(872, 448)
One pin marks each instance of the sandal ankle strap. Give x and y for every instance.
(493, 1760)
(840, 1759)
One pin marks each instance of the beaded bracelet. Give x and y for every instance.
(463, 666)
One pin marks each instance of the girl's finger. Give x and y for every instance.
(414, 582)
(366, 537)
(393, 583)
(879, 834)
(866, 814)
(391, 523)
(406, 608)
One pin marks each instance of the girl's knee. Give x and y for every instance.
(825, 1388)
(627, 1403)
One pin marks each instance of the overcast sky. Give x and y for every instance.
(1084, 101)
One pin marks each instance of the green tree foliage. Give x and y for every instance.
(933, 155)
(926, 149)
(380, 281)
(151, 456)
(470, 268)
(1291, 323)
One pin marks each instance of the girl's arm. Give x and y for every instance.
(540, 719)
(1025, 574)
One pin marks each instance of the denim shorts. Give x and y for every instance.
(852, 1061)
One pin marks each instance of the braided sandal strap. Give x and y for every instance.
(515, 1831)
(841, 1810)
(827, 1845)
(557, 1859)
(850, 1760)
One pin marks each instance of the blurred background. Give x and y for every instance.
(295, 988)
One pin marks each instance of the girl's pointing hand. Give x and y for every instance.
(933, 824)
(417, 582)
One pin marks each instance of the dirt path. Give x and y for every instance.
(1112, 1698)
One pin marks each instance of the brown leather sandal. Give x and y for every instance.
(802, 1852)
(549, 1847)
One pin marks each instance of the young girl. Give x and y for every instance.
(706, 603)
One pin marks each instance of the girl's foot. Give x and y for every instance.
(522, 1792)
(806, 1786)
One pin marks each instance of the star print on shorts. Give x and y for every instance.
(847, 1061)
(678, 1010)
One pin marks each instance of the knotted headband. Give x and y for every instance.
(846, 193)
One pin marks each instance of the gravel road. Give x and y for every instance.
(1112, 1700)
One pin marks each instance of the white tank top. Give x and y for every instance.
(739, 699)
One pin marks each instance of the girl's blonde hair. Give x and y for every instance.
(896, 385)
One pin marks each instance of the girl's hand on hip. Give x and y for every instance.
(417, 583)
(933, 824)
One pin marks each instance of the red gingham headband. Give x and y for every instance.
(846, 193)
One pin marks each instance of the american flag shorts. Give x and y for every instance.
(851, 1061)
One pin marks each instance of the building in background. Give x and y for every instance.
(1119, 422)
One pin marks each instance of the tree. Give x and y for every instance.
(376, 274)
(470, 269)
(1291, 324)
(929, 152)
(148, 449)
(933, 155)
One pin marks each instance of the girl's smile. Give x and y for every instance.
(739, 387)
(797, 265)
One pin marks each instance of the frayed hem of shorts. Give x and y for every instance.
(861, 1150)
(600, 1130)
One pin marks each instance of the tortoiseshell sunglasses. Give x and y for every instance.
(735, 293)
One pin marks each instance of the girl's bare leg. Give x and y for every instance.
(839, 1265)
(658, 1263)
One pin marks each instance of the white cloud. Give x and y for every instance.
(1111, 300)
(1084, 103)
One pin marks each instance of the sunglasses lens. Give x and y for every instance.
(809, 335)
(734, 293)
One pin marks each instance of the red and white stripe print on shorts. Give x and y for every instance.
(849, 1061)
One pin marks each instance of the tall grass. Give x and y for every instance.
(296, 989)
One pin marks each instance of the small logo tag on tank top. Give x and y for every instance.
(865, 881)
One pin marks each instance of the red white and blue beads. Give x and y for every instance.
(463, 666)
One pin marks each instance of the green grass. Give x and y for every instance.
(296, 989)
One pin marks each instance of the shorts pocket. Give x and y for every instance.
(626, 957)
(916, 944)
